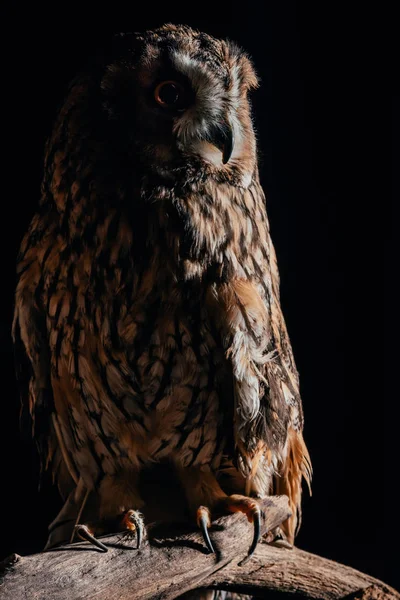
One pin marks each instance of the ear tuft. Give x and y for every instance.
(249, 75)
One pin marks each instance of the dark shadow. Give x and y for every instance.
(122, 546)
(76, 549)
(180, 543)
(168, 535)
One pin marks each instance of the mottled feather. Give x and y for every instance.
(148, 324)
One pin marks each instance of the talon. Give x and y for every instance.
(83, 532)
(136, 519)
(257, 531)
(238, 503)
(278, 538)
(204, 522)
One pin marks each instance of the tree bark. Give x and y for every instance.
(174, 560)
(300, 573)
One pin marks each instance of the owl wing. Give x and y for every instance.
(268, 416)
(33, 365)
(30, 355)
(281, 404)
(279, 422)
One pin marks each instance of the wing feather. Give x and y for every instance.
(268, 415)
(32, 361)
(32, 371)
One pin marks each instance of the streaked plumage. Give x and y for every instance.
(148, 325)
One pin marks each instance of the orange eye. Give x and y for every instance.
(170, 94)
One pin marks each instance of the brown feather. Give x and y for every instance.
(148, 325)
(296, 466)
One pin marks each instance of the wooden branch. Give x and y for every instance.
(301, 573)
(174, 560)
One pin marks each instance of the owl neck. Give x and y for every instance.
(209, 226)
(210, 230)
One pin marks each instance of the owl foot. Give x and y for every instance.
(251, 508)
(234, 503)
(204, 522)
(278, 538)
(130, 523)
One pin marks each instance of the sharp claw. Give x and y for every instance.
(257, 532)
(83, 532)
(203, 521)
(138, 523)
(139, 535)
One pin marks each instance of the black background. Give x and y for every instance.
(316, 125)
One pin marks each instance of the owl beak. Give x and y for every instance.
(223, 138)
(228, 145)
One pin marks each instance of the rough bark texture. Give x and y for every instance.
(295, 572)
(169, 564)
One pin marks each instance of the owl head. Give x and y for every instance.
(165, 108)
(179, 99)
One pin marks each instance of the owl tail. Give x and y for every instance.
(296, 466)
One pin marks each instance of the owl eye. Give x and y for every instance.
(170, 94)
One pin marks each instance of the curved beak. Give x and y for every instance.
(224, 139)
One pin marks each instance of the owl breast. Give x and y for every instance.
(184, 381)
(142, 383)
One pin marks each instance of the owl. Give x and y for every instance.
(148, 330)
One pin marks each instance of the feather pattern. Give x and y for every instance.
(148, 324)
